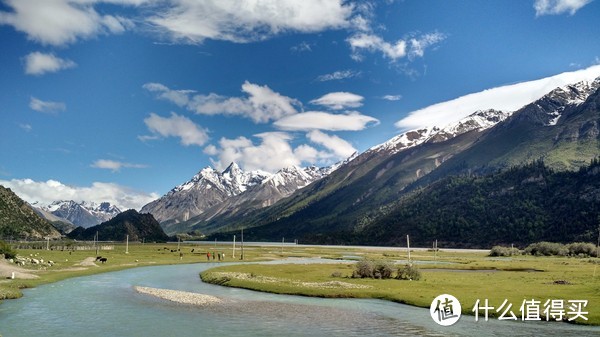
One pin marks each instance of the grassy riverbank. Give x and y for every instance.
(82, 262)
(470, 277)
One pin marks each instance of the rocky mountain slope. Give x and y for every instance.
(18, 220)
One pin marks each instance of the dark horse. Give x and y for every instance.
(103, 259)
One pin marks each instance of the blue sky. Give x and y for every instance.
(121, 100)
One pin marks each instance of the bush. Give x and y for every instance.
(384, 269)
(504, 251)
(7, 251)
(584, 249)
(409, 272)
(364, 268)
(547, 249)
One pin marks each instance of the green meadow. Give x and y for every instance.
(469, 276)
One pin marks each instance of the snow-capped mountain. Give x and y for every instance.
(206, 189)
(479, 120)
(84, 214)
(210, 193)
(549, 109)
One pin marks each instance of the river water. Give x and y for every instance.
(107, 305)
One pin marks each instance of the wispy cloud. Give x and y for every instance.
(176, 126)
(37, 63)
(413, 47)
(318, 120)
(46, 106)
(261, 104)
(555, 7)
(507, 98)
(301, 47)
(339, 75)
(114, 165)
(339, 100)
(392, 97)
(46, 192)
(25, 127)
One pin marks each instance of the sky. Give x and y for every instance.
(122, 100)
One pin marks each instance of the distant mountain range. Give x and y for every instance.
(84, 214)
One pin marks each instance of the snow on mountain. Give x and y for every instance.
(85, 214)
(552, 105)
(206, 189)
(555, 102)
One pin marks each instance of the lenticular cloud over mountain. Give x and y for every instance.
(505, 98)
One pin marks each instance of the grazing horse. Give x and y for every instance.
(103, 259)
(98, 258)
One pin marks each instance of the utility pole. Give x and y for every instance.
(96, 243)
(282, 242)
(242, 257)
(233, 255)
(178, 241)
(408, 247)
(127, 245)
(47, 243)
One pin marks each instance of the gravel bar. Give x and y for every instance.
(179, 296)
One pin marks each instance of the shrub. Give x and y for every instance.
(384, 269)
(336, 274)
(547, 249)
(504, 251)
(364, 268)
(584, 249)
(409, 272)
(7, 251)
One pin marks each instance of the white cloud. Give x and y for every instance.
(190, 21)
(46, 106)
(273, 153)
(554, 7)
(418, 45)
(414, 47)
(339, 75)
(301, 47)
(26, 127)
(392, 97)
(507, 98)
(211, 150)
(373, 43)
(317, 120)
(45, 192)
(60, 22)
(339, 100)
(114, 165)
(37, 63)
(340, 147)
(262, 104)
(177, 126)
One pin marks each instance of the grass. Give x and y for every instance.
(139, 255)
(482, 278)
(500, 279)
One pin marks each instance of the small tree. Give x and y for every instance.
(409, 272)
(364, 268)
(7, 251)
(385, 269)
